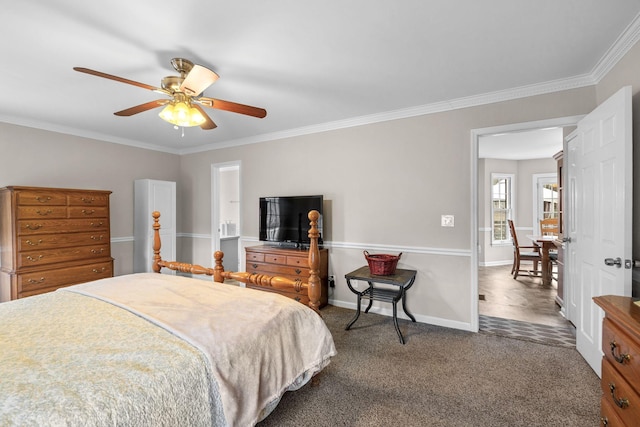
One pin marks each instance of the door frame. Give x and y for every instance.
(215, 201)
(475, 137)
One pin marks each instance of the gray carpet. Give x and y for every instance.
(440, 377)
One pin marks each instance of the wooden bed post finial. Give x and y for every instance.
(314, 262)
(156, 241)
(218, 269)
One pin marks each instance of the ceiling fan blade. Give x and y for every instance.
(198, 79)
(233, 107)
(208, 124)
(142, 107)
(120, 79)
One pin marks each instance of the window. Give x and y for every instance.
(501, 207)
(550, 202)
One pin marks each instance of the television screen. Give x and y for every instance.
(284, 219)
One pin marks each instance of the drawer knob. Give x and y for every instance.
(298, 271)
(88, 212)
(97, 237)
(32, 259)
(36, 281)
(87, 199)
(621, 402)
(254, 265)
(97, 224)
(619, 358)
(102, 270)
(97, 251)
(42, 199)
(43, 213)
(30, 243)
(33, 226)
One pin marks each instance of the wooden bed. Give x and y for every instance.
(219, 274)
(160, 349)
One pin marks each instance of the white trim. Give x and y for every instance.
(122, 239)
(511, 196)
(495, 263)
(535, 178)
(439, 107)
(430, 320)
(475, 135)
(613, 55)
(620, 47)
(216, 168)
(194, 235)
(361, 246)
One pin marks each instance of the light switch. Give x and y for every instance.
(447, 220)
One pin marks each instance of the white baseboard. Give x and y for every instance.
(430, 320)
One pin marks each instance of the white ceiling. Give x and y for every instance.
(525, 145)
(312, 65)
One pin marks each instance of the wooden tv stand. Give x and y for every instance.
(289, 263)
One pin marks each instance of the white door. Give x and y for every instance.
(600, 224)
(153, 195)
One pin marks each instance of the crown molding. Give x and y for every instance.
(622, 45)
(614, 54)
(51, 127)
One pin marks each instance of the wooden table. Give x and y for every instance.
(546, 243)
(403, 279)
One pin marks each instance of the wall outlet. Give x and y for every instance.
(332, 281)
(447, 220)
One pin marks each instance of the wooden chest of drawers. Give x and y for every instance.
(52, 237)
(620, 404)
(289, 263)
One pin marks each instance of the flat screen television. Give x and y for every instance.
(284, 220)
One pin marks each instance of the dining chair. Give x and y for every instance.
(524, 253)
(549, 226)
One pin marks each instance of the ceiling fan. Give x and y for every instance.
(184, 106)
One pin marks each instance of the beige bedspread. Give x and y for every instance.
(71, 360)
(258, 344)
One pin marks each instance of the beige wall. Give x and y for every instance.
(386, 185)
(47, 159)
(627, 73)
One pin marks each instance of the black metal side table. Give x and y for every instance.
(403, 279)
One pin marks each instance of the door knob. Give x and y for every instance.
(566, 240)
(610, 261)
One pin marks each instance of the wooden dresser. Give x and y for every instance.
(52, 237)
(620, 403)
(289, 263)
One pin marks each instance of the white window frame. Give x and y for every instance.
(509, 200)
(539, 180)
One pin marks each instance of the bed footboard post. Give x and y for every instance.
(218, 269)
(156, 241)
(314, 262)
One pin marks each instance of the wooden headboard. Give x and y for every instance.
(312, 286)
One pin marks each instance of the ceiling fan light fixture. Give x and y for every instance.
(182, 113)
(167, 113)
(198, 79)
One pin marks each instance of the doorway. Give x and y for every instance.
(225, 212)
(480, 230)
